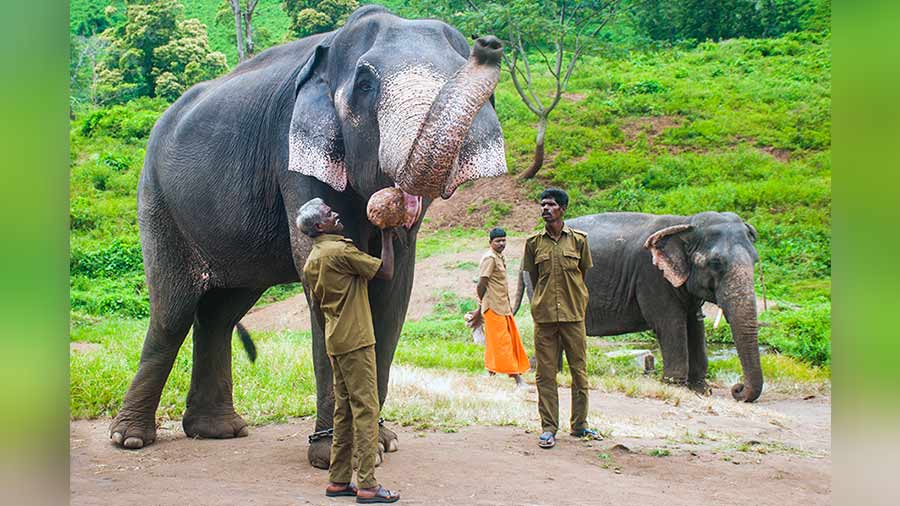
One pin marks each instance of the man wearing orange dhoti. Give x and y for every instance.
(503, 350)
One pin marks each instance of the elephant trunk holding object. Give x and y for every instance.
(654, 272)
(431, 169)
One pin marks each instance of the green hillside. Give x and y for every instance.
(741, 125)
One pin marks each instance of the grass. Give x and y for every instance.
(280, 385)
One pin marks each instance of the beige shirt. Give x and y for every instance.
(338, 275)
(496, 297)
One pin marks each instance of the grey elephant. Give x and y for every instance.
(381, 102)
(654, 272)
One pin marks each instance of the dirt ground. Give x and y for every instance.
(775, 452)
(701, 451)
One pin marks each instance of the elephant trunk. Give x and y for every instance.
(738, 302)
(520, 292)
(437, 144)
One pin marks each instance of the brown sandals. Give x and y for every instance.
(377, 494)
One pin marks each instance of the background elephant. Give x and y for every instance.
(382, 101)
(654, 272)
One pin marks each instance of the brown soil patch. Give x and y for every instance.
(469, 207)
(80, 347)
(653, 126)
(780, 154)
(484, 465)
(574, 97)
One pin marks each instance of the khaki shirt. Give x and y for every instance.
(560, 294)
(496, 297)
(338, 274)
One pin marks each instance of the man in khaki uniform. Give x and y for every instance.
(337, 274)
(557, 260)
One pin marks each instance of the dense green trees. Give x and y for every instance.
(155, 52)
(673, 20)
(316, 16)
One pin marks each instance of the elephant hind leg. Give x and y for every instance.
(172, 310)
(210, 408)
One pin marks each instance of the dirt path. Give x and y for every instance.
(780, 448)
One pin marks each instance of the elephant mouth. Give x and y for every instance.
(413, 205)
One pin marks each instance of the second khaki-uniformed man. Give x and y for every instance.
(337, 274)
(557, 260)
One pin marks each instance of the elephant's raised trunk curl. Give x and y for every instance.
(433, 157)
(738, 302)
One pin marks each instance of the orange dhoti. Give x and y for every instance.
(503, 350)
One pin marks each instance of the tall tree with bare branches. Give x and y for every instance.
(556, 33)
(243, 25)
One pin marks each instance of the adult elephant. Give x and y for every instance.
(381, 102)
(654, 272)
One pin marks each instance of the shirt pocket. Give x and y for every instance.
(570, 260)
(542, 261)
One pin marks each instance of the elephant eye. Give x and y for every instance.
(365, 85)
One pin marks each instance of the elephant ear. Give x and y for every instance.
(667, 252)
(751, 231)
(315, 143)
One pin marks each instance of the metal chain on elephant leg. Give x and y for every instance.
(326, 433)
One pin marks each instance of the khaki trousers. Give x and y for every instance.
(355, 417)
(548, 338)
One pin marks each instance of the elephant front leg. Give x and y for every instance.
(672, 335)
(389, 302)
(319, 452)
(698, 364)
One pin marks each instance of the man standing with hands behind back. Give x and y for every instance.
(337, 274)
(557, 260)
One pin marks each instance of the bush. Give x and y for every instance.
(130, 121)
(117, 259)
(803, 333)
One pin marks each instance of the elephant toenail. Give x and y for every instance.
(244, 432)
(117, 437)
(134, 443)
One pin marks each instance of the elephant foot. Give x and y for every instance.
(223, 426)
(700, 386)
(675, 380)
(388, 439)
(319, 453)
(133, 430)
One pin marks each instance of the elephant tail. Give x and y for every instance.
(247, 341)
(523, 284)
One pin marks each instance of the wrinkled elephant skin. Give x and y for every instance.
(338, 116)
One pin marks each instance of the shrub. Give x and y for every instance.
(117, 259)
(803, 333)
(130, 121)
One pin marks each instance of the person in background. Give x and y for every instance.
(338, 274)
(503, 350)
